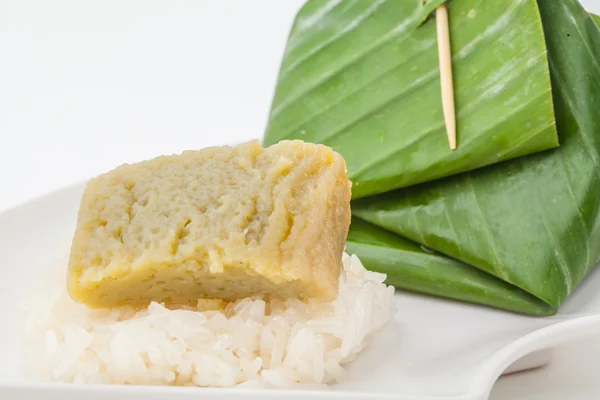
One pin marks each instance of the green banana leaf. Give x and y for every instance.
(533, 222)
(411, 267)
(596, 19)
(363, 77)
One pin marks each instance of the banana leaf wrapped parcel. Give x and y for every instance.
(511, 219)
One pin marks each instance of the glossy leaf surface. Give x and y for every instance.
(533, 222)
(363, 78)
(412, 267)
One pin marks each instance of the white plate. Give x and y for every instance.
(433, 349)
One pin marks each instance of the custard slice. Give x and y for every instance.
(218, 223)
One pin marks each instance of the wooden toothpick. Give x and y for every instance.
(443, 38)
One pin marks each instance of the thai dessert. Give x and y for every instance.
(274, 264)
(217, 267)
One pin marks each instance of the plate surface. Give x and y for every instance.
(433, 349)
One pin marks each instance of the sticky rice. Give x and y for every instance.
(249, 343)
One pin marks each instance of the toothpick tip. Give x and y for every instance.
(452, 139)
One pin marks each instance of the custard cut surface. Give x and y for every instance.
(218, 223)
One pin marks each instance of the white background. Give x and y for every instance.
(87, 85)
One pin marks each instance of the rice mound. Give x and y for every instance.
(248, 343)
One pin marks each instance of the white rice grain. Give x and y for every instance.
(250, 343)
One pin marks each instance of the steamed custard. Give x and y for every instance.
(222, 223)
